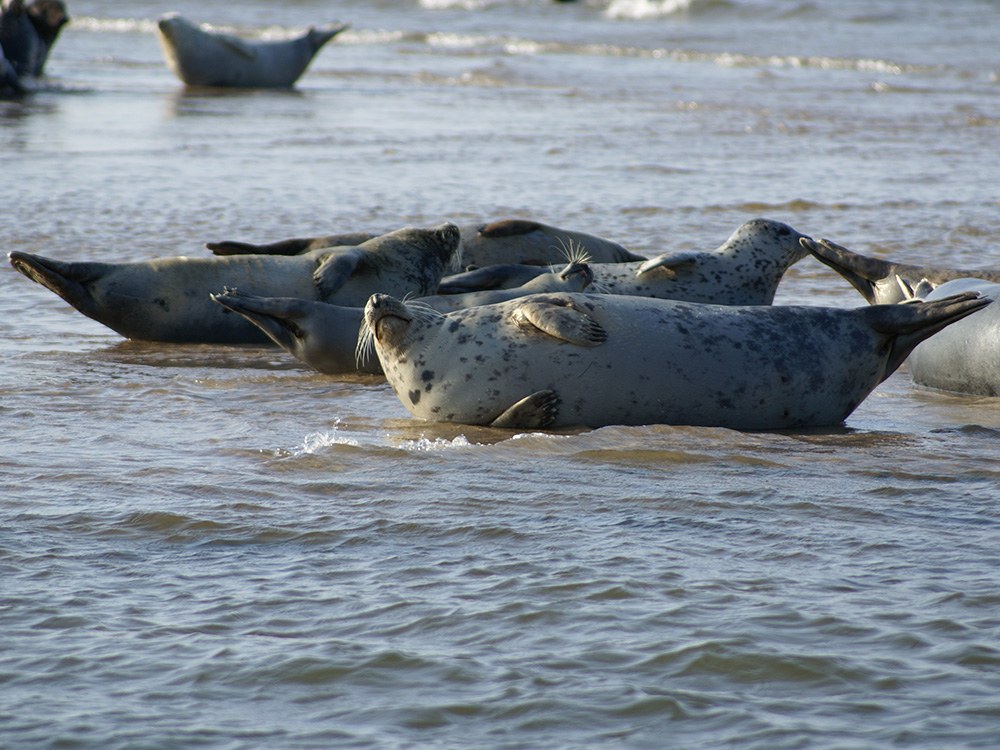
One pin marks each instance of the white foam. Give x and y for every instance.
(315, 442)
(425, 445)
(639, 9)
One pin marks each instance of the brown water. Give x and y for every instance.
(206, 546)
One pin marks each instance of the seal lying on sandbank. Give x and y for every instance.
(554, 360)
(506, 241)
(206, 58)
(876, 279)
(745, 270)
(965, 358)
(167, 299)
(325, 336)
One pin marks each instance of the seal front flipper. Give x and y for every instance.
(558, 318)
(537, 411)
(335, 270)
(237, 45)
(669, 261)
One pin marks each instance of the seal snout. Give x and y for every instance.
(386, 316)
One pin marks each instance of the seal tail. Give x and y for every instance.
(861, 271)
(907, 325)
(71, 281)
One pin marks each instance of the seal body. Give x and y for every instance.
(965, 358)
(876, 279)
(325, 336)
(510, 241)
(27, 33)
(745, 270)
(168, 299)
(205, 58)
(582, 359)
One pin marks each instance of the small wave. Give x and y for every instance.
(634, 10)
(426, 445)
(315, 442)
(115, 25)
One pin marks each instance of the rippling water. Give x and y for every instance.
(206, 546)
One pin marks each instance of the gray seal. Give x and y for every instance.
(27, 34)
(745, 270)
(168, 299)
(965, 358)
(556, 360)
(876, 279)
(206, 58)
(325, 336)
(517, 241)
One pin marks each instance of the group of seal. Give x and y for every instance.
(681, 338)
(27, 33)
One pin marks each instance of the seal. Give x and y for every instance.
(294, 246)
(515, 241)
(745, 270)
(876, 279)
(556, 360)
(965, 358)
(167, 299)
(205, 58)
(325, 336)
(27, 34)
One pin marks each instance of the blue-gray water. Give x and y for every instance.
(214, 547)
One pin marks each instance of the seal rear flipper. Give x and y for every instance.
(294, 246)
(335, 270)
(71, 281)
(909, 324)
(861, 271)
(319, 37)
(503, 276)
(560, 320)
(670, 261)
(284, 247)
(537, 411)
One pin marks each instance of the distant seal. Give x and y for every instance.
(167, 299)
(325, 336)
(876, 279)
(745, 270)
(205, 58)
(965, 358)
(517, 241)
(556, 360)
(27, 34)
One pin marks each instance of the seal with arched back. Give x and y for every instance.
(554, 360)
(745, 270)
(206, 58)
(168, 299)
(876, 279)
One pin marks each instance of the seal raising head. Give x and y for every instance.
(551, 360)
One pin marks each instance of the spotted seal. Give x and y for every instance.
(556, 360)
(206, 58)
(745, 270)
(167, 299)
(518, 241)
(965, 358)
(325, 336)
(876, 279)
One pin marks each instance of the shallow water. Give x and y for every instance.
(207, 546)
